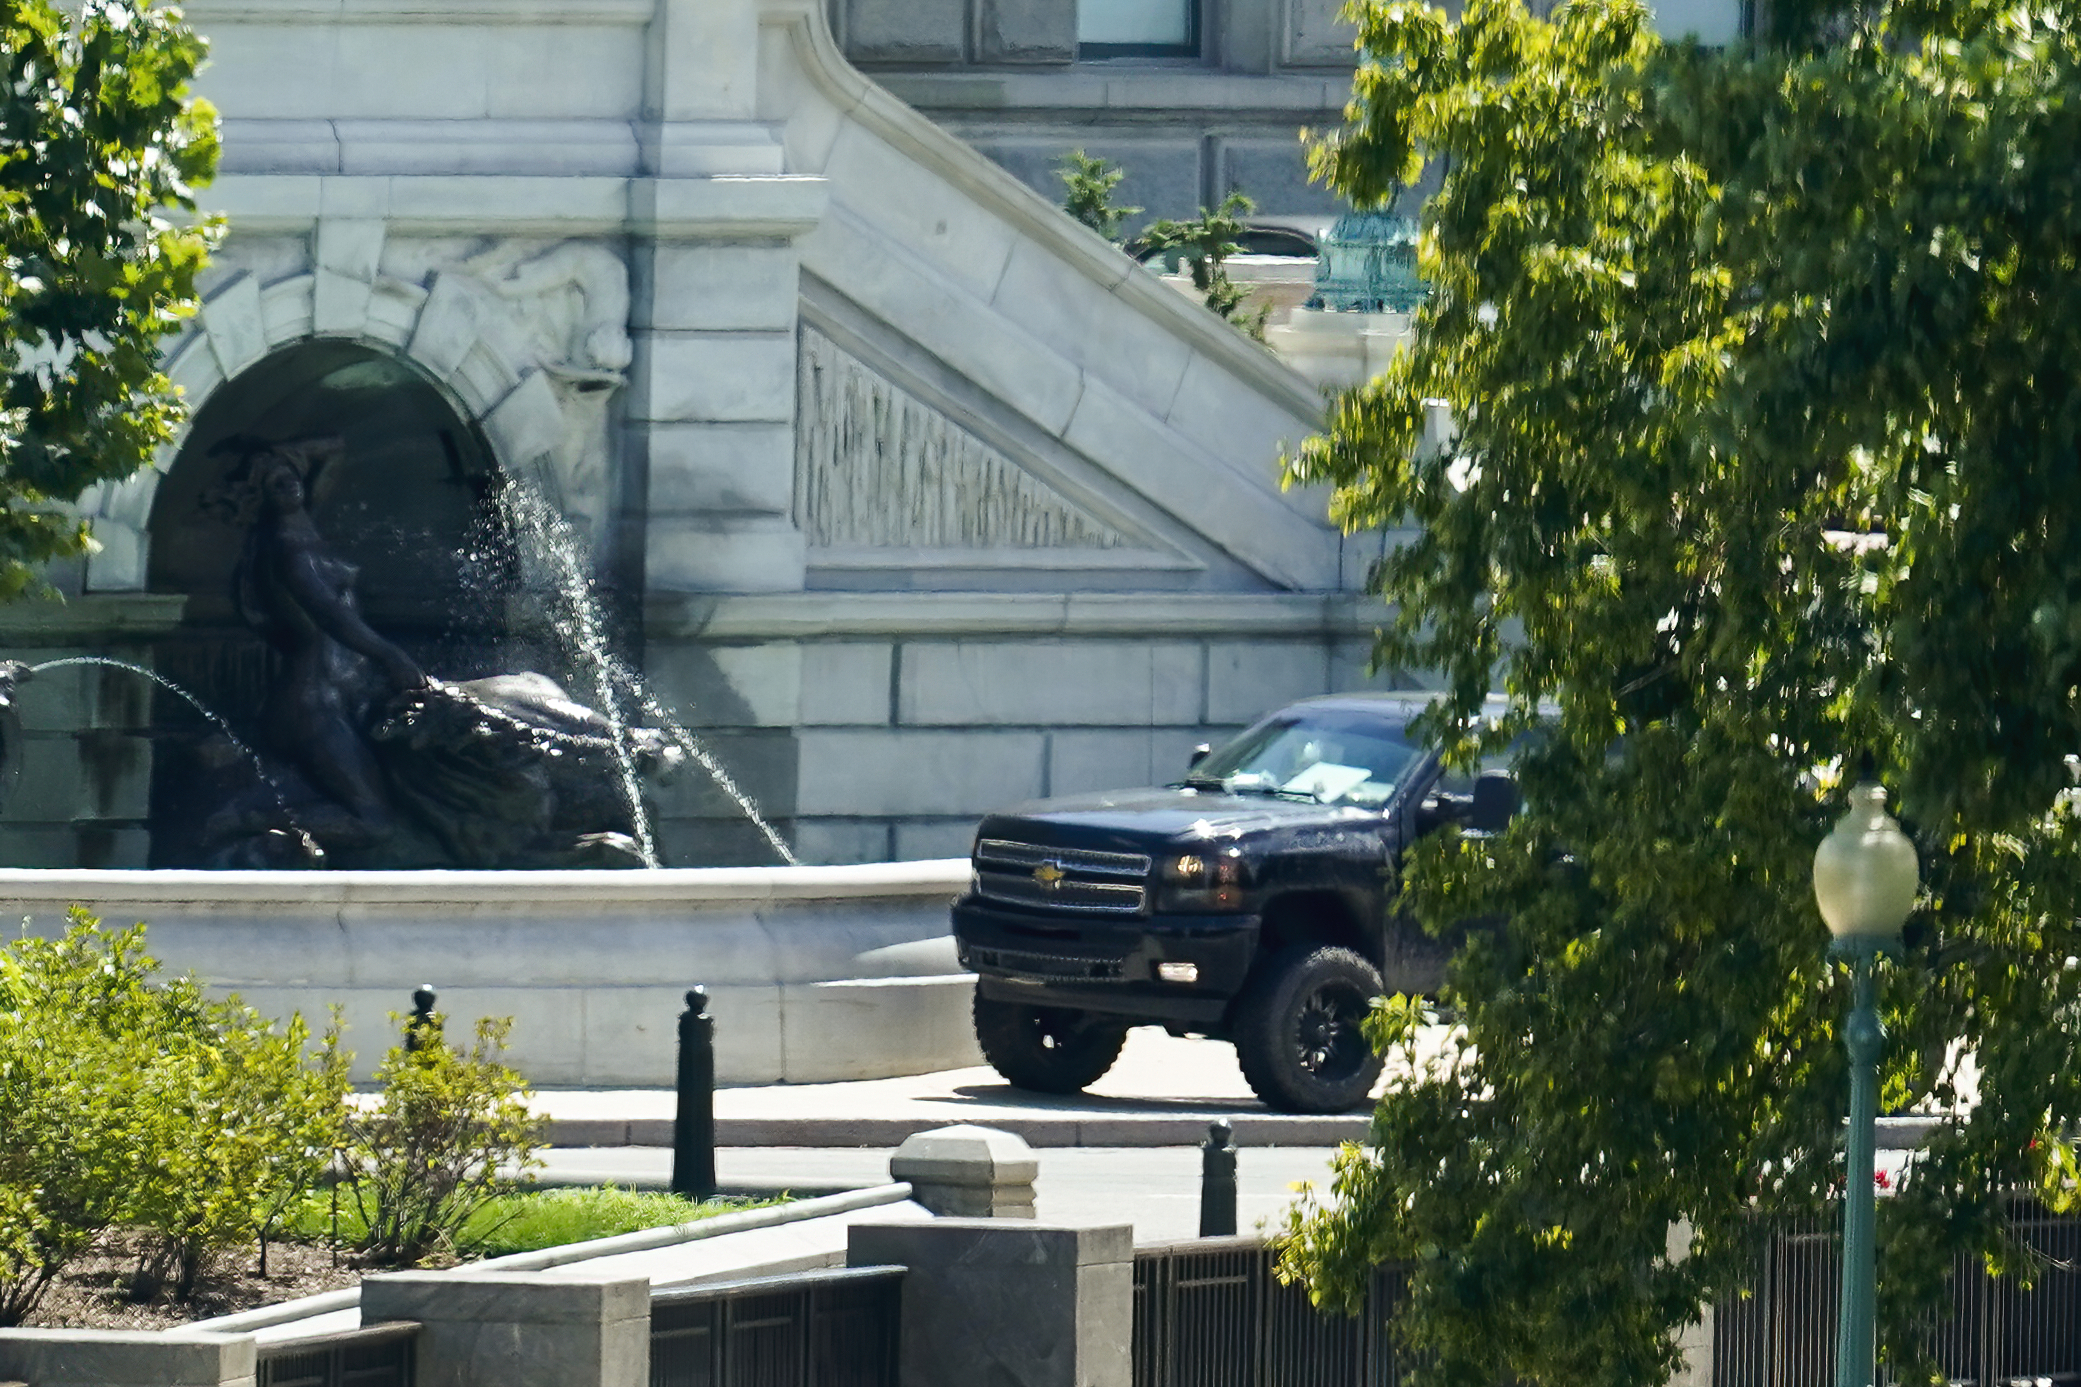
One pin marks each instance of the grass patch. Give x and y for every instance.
(529, 1220)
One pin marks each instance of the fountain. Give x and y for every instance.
(365, 759)
(377, 811)
(909, 495)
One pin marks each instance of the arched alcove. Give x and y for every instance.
(409, 501)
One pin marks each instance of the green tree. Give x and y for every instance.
(1766, 461)
(1088, 185)
(100, 149)
(1205, 242)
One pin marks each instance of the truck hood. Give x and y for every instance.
(1161, 815)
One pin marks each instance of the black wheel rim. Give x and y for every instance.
(1328, 1040)
(1057, 1030)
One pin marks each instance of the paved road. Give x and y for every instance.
(1162, 1092)
(1154, 1188)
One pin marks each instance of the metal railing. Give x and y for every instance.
(1995, 1334)
(812, 1329)
(1209, 1313)
(379, 1356)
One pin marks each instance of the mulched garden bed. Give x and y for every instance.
(95, 1292)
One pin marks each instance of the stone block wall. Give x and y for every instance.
(83, 794)
(866, 743)
(1005, 75)
(1184, 146)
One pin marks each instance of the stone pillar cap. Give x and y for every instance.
(964, 1155)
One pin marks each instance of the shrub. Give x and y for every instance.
(435, 1148)
(527, 1220)
(251, 1121)
(1205, 242)
(75, 1026)
(1088, 186)
(126, 1099)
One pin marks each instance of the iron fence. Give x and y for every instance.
(1996, 1332)
(378, 1356)
(811, 1329)
(1209, 1313)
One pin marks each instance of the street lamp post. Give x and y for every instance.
(1865, 879)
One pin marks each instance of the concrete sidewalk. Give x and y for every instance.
(1162, 1092)
(1157, 1189)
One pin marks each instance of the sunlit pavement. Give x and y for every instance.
(1162, 1092)
(1154, 1188)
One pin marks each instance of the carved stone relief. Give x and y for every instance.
(562, 310)
(531, 336)
(877, 468)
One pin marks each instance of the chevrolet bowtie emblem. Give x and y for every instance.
(1048, 874)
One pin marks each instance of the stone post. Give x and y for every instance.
(1017, 1304)
(519, 1329)
(1694, 1341)
(968, 1172)
(126, 1358)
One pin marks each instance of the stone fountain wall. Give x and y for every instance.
(82, 800)
(813, 974)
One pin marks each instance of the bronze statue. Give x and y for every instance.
(385, 766)
(299, 597)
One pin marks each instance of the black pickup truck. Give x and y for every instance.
(1254, 902)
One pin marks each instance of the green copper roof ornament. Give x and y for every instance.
(1368, 265)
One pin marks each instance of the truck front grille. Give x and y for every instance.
(1047, 965)
(1070, 879)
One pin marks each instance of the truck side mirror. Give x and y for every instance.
(1199, 754)
(1496, 799)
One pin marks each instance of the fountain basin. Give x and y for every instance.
(814, 974)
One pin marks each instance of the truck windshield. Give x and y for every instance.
(1327, 756)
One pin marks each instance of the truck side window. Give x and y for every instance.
(1459, 783)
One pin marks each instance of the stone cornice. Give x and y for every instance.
(726, 207)
(229, 891)
(929, 615)
(207, 13)
(93, 619)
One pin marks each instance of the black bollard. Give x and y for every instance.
(693, 1128)
(422, 1019)
(1217, 1181)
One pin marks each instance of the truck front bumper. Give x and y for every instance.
(1106, 964)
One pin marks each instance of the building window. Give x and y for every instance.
(1137, 28)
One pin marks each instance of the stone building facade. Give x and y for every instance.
(1194, 99)
(913, 496)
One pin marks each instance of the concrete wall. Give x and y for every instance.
(813, 974)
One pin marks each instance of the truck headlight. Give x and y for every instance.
(1204, 881)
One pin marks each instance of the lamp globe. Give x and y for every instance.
(1865, 871)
